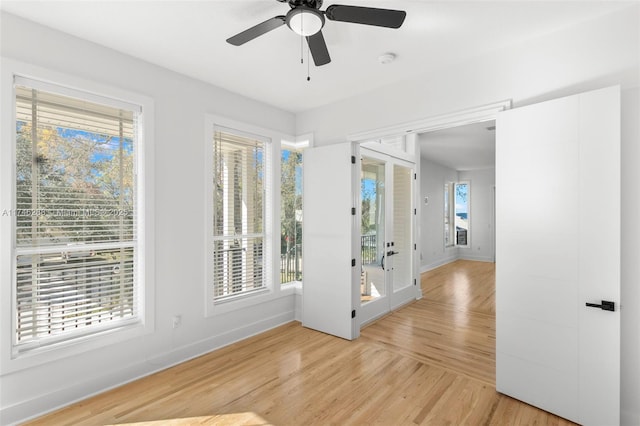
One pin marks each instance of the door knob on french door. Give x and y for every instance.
(605, 305)
(391, 253)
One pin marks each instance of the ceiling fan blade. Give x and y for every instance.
(318, 48)
(256, 31)
(366, 15)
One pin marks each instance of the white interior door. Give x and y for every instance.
(557, 249)
(330, 293)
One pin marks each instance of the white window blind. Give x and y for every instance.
(74, 216)
(402, 226)
(239, 187)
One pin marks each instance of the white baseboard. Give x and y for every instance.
(437, 264)
(445, 261)
(64, 396)
(464, 256)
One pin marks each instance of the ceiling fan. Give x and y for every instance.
(306, 19)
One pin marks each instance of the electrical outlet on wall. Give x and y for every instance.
(177, 321)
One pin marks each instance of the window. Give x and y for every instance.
(291, 216)
(448, 216)
(456, 214)
(75, 225)
(239, 236)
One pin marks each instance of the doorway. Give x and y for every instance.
(457, 181)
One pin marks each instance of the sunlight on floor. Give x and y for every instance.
(248, 418)
(373, 275)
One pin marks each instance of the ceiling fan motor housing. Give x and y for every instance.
(315, 4)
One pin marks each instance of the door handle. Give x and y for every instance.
(391, 253)
(605, 305)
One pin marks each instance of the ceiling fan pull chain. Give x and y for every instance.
(308, 76)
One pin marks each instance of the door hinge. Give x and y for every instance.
(353, 262)
(353, 211)
(415, 247)
(415, 211)
(353, 159)
(415, 282)
(415, 176)
(353, 313)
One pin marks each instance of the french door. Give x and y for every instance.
(387, 229)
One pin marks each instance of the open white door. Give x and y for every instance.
(558, 249)
(331, 268)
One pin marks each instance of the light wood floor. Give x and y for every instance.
(431, 362)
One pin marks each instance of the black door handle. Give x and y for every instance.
(391, 253)
(605, 305)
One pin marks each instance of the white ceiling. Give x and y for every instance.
(189, 37)
(470, 147)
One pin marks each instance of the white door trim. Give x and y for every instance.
(443, 121)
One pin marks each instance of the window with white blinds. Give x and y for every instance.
(75, 243)
(239, 239)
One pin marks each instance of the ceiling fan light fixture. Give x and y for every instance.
(305, 21)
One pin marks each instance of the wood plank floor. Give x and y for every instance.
(432, 362)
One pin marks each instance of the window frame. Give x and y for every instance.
(271, 213)
(265, 144)
(291, 147)
(451, 188)
(65, 84)
(449, 218)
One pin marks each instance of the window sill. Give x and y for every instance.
(255, 298)
(241, 296)
(293, 287)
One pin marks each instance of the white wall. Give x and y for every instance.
(589, 55)
(432, 179)
(433, 253)
(481, 217)
(180, 106)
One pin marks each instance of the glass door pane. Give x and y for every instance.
(372, 195)
(402, 240)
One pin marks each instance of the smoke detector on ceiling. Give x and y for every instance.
(386, 58)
